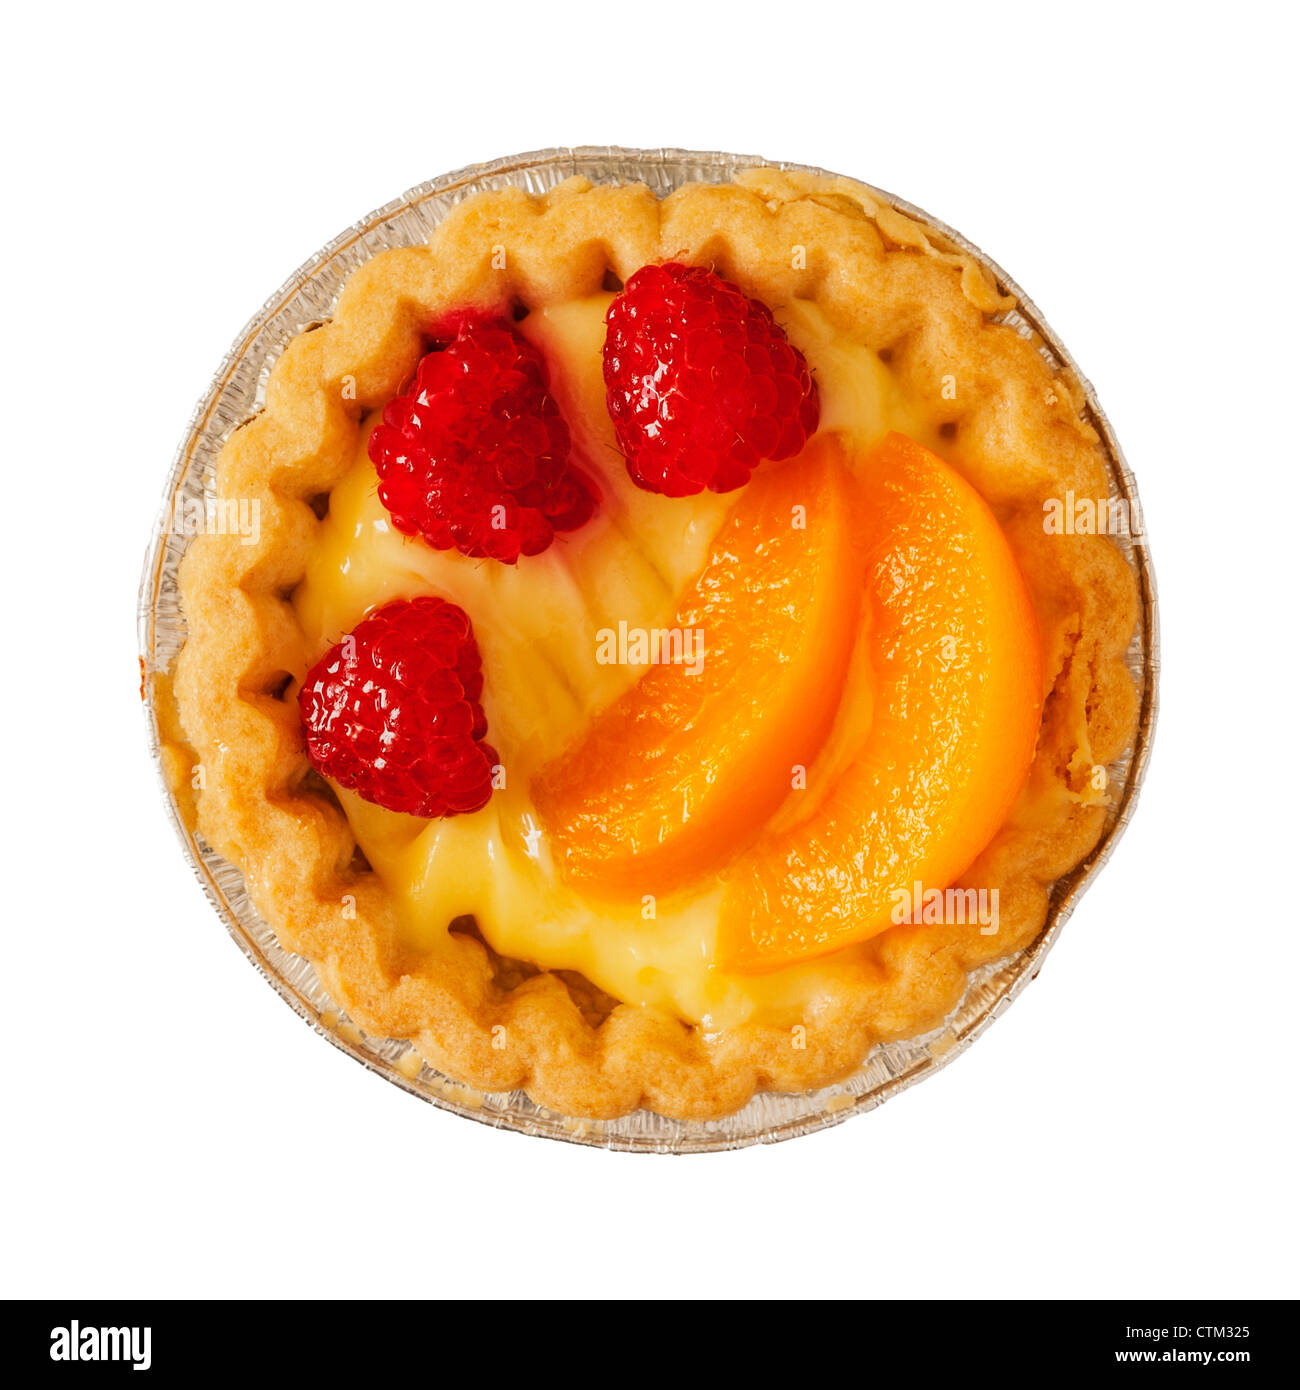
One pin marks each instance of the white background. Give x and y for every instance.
(172, 1128)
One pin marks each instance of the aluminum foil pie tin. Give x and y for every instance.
(237, 391)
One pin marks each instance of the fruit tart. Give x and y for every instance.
(652, 679)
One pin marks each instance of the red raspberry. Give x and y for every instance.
(392, 711)
(701, 383)
(476, 457)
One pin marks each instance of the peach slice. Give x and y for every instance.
(683, 771)
(957, 668)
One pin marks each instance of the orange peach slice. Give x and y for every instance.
(958, 693)
(683, 771)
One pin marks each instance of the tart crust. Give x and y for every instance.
(1014, 426)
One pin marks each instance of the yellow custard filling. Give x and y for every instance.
(537, 627)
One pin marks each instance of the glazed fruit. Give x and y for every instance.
(958, 674)
(677, 775)
(701, 383)
(476, 456)
(392, 711)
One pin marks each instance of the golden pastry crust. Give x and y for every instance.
(996, 408)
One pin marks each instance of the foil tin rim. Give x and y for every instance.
(236, 391)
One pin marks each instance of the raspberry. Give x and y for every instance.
(392, 711)
(700, 382)
(476, 457)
